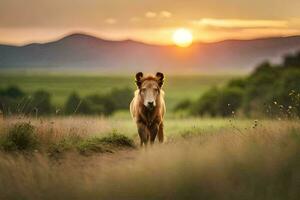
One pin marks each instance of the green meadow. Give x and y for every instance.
(61, 86)
(97, 157)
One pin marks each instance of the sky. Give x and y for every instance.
(150, 21)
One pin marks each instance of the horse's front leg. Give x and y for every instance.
(143, 133)
(153, 132)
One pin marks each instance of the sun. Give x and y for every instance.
(182, 37)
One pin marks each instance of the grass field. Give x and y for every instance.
(60, 86)
(201, 159)
(79, 157)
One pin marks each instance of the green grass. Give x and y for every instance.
(87, 145)
(177, 88)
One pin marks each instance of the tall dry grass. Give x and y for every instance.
(257, 162)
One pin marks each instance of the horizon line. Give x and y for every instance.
(85, 33)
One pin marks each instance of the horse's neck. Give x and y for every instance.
(149, 115)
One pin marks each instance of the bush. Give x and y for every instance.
(118, 140)
(292, 60)
(12, 92)
(121, 97)
(207, 103)
(41, 103)
(76, 105)
(10, 100)
(219, 102)
(21, 136)
(237, 83)
(105, 144)
(230, 100)
(183, 105)
(288, 93)
(101, 104)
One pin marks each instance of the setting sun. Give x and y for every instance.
(182, 37)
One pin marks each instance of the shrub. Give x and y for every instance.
(76, 105)
(92, 145)
(292, 60)
(65, 144)
(230, 99)
(118, 140)
(105, 144)
(183, 105)
(237, 83)
(259, 89)
(288, 93)
(101, 104)
(10, 100)
(12, 92)
(121, 97)
(219, 102)
(21, 136)
(207, 103)
(41, 103)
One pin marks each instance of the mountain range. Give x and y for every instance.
(88, 53)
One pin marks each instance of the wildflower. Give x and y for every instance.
(292, 92)
(275, 102)
(290, 107)
(255, 123)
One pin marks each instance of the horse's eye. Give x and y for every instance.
(143, 90)
(155, 89)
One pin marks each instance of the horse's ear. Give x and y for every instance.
(138, 78)
(160, 77)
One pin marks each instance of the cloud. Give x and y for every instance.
(240, 23)
(150, 14)
(134, 19)
(110, 21)
(165, 14)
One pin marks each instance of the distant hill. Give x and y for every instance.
(88, 53)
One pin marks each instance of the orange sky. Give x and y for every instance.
(25, 21)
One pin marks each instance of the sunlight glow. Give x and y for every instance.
(182, 37)
(239, 23)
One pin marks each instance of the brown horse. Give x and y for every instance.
(147, 108)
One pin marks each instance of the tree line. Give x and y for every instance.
(14, 101)
(269, 91)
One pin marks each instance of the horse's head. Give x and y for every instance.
(149, 88)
